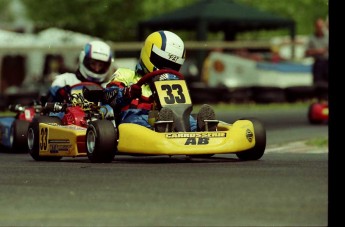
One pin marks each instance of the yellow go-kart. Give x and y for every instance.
(102, 139)
(61, 128)
(246, 137)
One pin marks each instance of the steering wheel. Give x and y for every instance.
(150, 75)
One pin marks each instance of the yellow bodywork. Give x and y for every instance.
(230, 138)
(69, 140)
(61, 140)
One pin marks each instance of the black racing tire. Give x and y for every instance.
(258, 150)
(19, 136)
(33, 138)
(101, 141)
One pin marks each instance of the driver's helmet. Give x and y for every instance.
(95, 61)
(162, 50)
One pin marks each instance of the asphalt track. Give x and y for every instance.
(287, 187)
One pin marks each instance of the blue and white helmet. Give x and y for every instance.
(99, 53)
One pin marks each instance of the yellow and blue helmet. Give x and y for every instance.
(161, 50)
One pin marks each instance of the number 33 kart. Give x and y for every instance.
(101, 140)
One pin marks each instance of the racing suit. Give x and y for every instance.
(62, 84)
(132, 110)
(65, 84)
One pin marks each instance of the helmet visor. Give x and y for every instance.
(164, 60)
(96, 66)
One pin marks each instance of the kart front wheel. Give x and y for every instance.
(101, 141)
(18, 135)
(258, 150)
(33, 138)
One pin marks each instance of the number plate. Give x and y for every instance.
(172, 92)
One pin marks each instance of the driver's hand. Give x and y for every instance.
(134, 91)
(64, 93)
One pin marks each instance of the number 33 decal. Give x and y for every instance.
(173, 92)
(43, 138)
(171, 99)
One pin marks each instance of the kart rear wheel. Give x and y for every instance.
(33, 138)
(258, 150)
(19, 136)
(101, 141)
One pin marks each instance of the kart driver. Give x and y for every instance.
(134, 102)
(96, 65)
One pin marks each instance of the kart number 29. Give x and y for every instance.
(172, 92)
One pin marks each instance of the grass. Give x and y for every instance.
(227, 106)
(246, 106)
(318, 142)
(7, 114)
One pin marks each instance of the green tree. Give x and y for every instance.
(110, 19)
(114, 20)
(4, 13)
(303, 12)
(117, 20)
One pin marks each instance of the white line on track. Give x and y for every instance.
(296, 147)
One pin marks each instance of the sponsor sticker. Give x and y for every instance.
(195, 135)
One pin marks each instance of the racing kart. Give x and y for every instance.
(60, 131)
(318, 113)
(102, 139)
(13, 129)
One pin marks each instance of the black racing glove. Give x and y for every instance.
(110, 94)
(63, 94)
